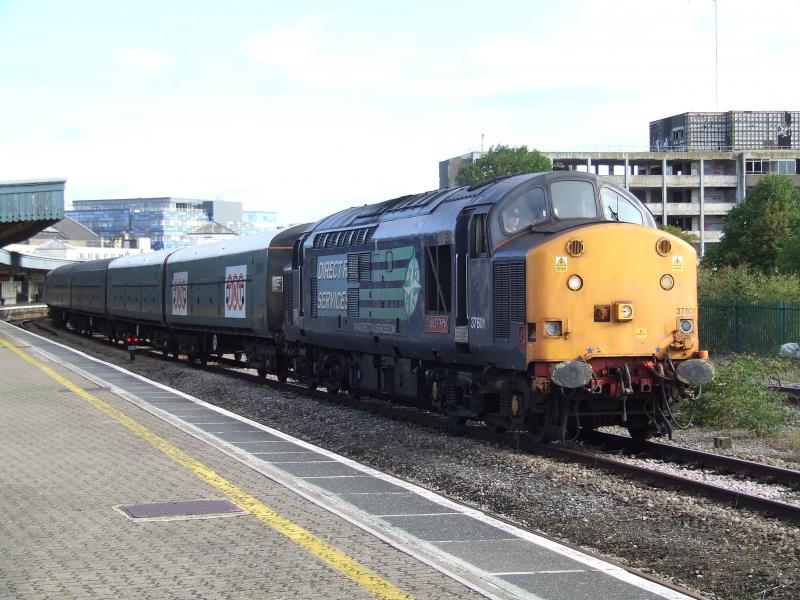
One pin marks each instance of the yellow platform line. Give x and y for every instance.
(356, 572)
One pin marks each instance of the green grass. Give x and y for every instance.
(739, 398)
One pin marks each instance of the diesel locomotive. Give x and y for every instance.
(544, 302)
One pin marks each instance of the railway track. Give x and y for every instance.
(780, 510)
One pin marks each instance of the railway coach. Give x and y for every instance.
(200, 301)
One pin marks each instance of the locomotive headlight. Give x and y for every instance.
(574, 283)
(667, 282)
(623, 311)
(687, 325)
(552, 328)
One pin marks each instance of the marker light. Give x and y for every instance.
(667, 282)
(687, 325)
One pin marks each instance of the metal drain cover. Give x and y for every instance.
(185, 508)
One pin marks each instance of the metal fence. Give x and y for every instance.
(733, 326)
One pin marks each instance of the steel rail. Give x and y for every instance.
(720, 462)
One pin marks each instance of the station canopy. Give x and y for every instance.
(27, 207)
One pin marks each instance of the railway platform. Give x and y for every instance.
(114, 486)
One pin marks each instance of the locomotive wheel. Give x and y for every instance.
(640, 434)
(540, 420)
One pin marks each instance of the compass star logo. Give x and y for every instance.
(411, 286)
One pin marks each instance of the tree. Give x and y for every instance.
(503, 160)
(689, 238)
(757, 229)
(789, 257)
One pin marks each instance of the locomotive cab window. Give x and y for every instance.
(618, 208)
(525, 211)
(573, 200)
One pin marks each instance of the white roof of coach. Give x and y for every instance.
(223, 248)
(139, 260)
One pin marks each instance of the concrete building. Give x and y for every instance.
(448, 169)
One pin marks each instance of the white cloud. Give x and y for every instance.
(142, 59)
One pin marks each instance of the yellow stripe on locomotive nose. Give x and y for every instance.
(620, 268)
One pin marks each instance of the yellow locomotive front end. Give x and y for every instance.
(612, 326)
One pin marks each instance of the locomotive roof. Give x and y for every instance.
(404, 207)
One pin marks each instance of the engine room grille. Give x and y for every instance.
(344, 237)
(365, 267)
(287, 295)
(501, 323)
(314, 287)
(509, 298)
(352, 302)
(516, 300)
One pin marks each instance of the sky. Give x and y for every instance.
(306, 108)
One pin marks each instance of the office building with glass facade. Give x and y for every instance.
(166, 221)
(258, 221)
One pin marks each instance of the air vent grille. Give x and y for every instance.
(575, 247)
(664, 247)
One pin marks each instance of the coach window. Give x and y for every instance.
(528, 209)
(618, 208)
(573, 200)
